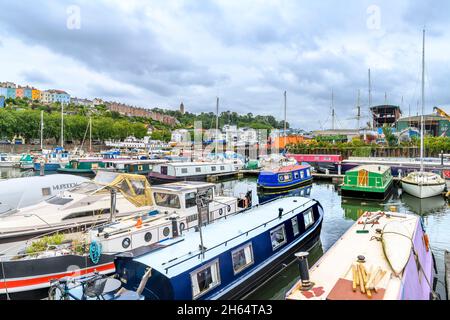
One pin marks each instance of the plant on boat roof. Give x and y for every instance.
(40, 245)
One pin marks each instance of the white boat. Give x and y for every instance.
(275, 161)
(22, 192)
(9, 161)
(423, 184)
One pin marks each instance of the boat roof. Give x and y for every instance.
(289, 168)
(377, 168)
(185, 164)
(241, 228)
(182, 186)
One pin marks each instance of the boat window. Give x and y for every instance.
(308, 172)
(46, 192)
(278, 237)
(59, 201)
(198, 169)
(308, 218)
(190, 199)
(213, 168)
(296, 175)
(184, 170)
(205, 279)
(191, 218)
(167, 200)
(284, 177)
(295, 226)
(242, 258)
(222, 168)
(302, 174)
(140, 168)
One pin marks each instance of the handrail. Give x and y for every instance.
(236, 237)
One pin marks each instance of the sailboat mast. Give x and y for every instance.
(285, 117)
(42, 129)
(332, 110)
(370, 95)
(358, 116)
(62, 124)
(423, 104)
(217, 126)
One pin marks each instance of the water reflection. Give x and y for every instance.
(353, 209)
(424, 206)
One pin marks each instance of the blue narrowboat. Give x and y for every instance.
(285, 177)
(53, 160)
(227, 259)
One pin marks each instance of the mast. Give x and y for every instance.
(62, 124)
(370, 95)
(285, 107)
(42, 129)
(423, 103)
(217, 125)
(358, 116)
(332, 110)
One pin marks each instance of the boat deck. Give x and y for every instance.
(332, 275)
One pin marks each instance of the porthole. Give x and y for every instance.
(126, 243)
(166, 231)
(229, 208)
(182, 226)
(220, 211)
(148, 237)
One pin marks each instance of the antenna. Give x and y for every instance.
(423, 103)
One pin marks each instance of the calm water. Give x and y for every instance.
(339, 216)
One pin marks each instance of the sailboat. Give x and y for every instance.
(423, 184)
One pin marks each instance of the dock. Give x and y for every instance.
(216, 177)
(447, 273)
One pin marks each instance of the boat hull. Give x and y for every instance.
(424, 190)
(286, 186)
(157, 178)
(35, 274)
(364, 194)
(47, 166)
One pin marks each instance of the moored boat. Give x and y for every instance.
(423, 184)
(285, 177)
(368, 182)
(225, 262)
(358, 267)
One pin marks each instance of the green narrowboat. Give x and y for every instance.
(82, 166)
(368, 182)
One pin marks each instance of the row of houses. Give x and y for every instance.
(132, 111)
(11, 90)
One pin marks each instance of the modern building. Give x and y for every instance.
(435, 125)
(385, 114)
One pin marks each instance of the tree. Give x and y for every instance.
(390, 138)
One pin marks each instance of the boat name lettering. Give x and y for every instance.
(64, 186)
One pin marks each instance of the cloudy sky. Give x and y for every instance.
(247, 52)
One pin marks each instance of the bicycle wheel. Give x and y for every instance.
(57, 293)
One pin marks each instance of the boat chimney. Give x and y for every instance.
(113, 204)
(302, 260)
(174, 219)
(280, 212)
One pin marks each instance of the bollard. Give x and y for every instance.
(302, 260)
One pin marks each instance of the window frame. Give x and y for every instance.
(248, 264)
(296, 232)
(311, 213)
(280, 244)
(193, 277)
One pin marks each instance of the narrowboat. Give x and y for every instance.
(227, 259)
(285, 177)
(320, 162)
(179, 171)
(80, 253)
(82, 166)
(383, 256)
(132, 166)
(368, 182)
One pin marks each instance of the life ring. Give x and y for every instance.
(95, 251)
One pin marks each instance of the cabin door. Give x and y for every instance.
(164, 170)
(363, 178)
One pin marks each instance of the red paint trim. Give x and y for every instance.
(46, 279)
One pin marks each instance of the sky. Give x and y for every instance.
(247, 52)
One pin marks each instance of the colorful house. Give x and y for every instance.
(59, 96)
(27, 92)
(19, 92)
(3, 92)
(279, 142)
(11, 93)
(46, 97)
(35, 94)
(2, 101)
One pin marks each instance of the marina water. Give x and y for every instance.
(339, 216)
